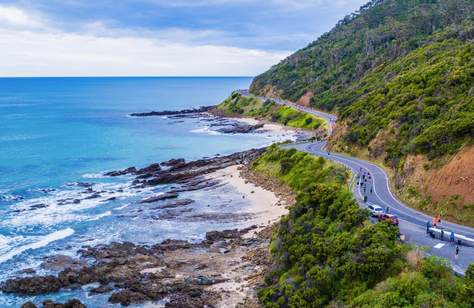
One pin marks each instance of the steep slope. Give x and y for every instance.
(381, 31)
(400, 74)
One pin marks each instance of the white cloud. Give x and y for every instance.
(29, 53)
(13, 17)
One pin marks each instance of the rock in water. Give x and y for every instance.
(160, 197)
(31, 285)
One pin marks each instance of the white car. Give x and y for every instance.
(375, 210)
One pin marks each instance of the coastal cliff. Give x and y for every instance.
(400, 76)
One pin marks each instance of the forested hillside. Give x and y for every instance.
(400, 75)
(381, 31)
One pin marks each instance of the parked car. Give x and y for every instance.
(375, 210)
(389, 217)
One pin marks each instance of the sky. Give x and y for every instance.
(158, 37)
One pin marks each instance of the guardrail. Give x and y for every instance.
(445, 235)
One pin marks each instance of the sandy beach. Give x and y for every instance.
(263, 203)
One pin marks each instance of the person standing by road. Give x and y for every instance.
(451, 237)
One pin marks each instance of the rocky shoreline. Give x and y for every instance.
(203, 109)
(223, 270)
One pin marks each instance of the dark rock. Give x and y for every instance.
(214, 236)
(101, 289)
(171, 112)
(175, 204)
(31, 285)
(203, 280)
(150, 169)
(80, 184)
(60, 262)
(73, 303)
(27, 271)
(160, 197)
(38, 206)
(170, 245)
(93, 196)
(127, 297)
(239, 128)
(130, 170)
(29, 305)
(175, 163)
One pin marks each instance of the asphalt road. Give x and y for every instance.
(377, 189)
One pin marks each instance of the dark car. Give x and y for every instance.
(388, 217)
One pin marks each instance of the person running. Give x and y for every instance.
(451, 237)
(371, 190)
(456, 254)
(442, 234)
(428, 226)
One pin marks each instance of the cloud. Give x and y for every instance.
(29, 53)
(158, 37)
(13, 17)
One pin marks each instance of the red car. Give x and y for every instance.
(389, 217)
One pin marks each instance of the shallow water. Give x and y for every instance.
(59, 135)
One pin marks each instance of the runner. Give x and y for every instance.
(456, 254)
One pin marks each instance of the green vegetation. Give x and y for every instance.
(425, 100)
(327, 253)
(250, 106)
(381, 31)
(405, 67)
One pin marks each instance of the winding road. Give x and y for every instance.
(377, 189)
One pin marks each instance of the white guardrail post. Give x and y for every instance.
(445, 235)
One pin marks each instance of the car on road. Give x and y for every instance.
(393, 219)
(375, 210)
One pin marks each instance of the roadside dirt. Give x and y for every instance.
(454, 178)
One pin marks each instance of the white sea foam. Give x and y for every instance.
(97, 217)
(4, 240)
(93, 176)
(122, 207)
(40, 242)
(59, 207)
(205, 130)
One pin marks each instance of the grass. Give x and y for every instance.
(250, 106)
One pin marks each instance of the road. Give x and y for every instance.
(377, 189)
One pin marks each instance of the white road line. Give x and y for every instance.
(439, 246)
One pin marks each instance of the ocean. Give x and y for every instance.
(57, 138)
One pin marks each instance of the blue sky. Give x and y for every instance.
(158, 37)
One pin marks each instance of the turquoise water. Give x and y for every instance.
(56, 132)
